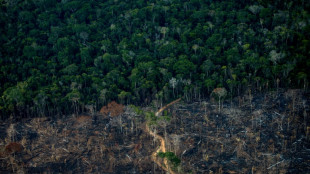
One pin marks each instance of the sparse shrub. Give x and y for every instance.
(171, 157)
(137, 110)
(151, 118)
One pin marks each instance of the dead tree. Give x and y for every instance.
(219, 93)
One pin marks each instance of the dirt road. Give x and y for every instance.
(162, 147)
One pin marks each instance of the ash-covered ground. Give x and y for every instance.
(257, 133)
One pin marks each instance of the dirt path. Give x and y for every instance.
(162, 147)
(165, 107)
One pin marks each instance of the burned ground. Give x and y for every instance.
(266, 133)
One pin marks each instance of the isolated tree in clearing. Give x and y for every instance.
(219, 93)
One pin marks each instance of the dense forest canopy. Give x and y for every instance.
(62, 56)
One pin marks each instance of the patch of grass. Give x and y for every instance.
(171, 157)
